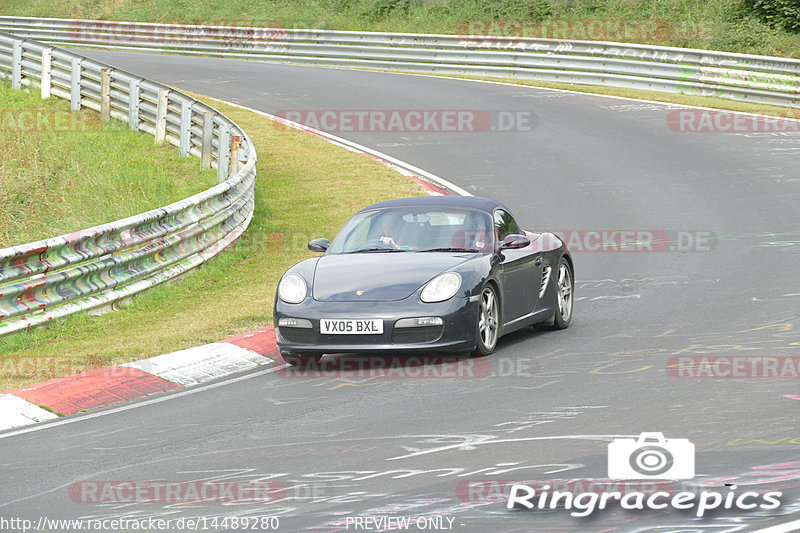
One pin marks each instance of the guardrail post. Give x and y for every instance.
(16, 65)
(186, 129)
(105, 94)
(236, 143)
(161, 115)
(223, 154)
(47, 66)
(75, 84)
(133, 104)
(208, 137)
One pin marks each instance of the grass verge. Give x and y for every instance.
(306, 188)
(62, 171)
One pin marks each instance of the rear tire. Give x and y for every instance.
(301, 360)
(488, 322)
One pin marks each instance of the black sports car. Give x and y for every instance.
(433, 273)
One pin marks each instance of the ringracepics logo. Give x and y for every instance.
(412, 120)
(648, 457)
(651, 456)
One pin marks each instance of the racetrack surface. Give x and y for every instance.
(546, 404)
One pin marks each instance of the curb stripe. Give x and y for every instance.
(262, 341)
(201, 363)
(93, 389)
(15, 412)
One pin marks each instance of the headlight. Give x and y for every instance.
(292, 289)
(441, 288)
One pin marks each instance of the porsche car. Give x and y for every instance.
(441, 274)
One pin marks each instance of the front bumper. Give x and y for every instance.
(456, 335)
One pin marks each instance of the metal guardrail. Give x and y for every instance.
(743, 77)
(99, 266)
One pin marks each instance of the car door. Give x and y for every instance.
(521, 271)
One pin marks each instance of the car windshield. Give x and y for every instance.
(415, 229)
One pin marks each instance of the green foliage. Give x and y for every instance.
(777, 13)
(752, 26)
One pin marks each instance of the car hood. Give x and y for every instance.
(380, 275)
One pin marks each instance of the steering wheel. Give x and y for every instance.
(376, 243)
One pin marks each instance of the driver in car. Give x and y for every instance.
(394, 229)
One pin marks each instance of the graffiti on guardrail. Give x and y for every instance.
(233, 34)
(584, 51)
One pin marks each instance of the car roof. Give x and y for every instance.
(474, 202)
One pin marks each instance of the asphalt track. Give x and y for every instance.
(354, 447)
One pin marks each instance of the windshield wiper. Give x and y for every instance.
(370, 250)
(449, 250)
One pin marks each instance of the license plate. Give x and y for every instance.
(350, 327)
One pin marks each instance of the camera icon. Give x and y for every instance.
(650, 456)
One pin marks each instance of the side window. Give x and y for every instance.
(504, 224)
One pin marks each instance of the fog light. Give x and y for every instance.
(294, 323)
(419, 322)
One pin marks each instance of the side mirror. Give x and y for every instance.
(515, 242)
(319, 245)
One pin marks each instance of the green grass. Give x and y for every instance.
(306, 188)
(709, 24)
(62, 171)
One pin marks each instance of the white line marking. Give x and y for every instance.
(172, 396)
(470, 444)
(436, 180)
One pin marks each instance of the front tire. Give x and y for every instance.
(563, 299)
(488, 323)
